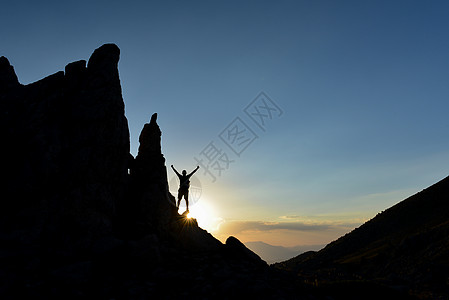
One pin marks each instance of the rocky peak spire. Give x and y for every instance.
(8, 78)
(150, 138)
(107, 55)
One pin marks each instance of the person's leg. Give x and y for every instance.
(179, 199)
(186, 196)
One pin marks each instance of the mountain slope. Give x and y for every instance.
(407, 245)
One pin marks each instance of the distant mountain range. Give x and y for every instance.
(405, 246)
(272, 254)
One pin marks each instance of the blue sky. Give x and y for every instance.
(363, 88)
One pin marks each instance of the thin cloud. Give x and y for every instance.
(290, 217)
(235, 227)
(346, 221)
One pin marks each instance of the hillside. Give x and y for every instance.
(405, 246)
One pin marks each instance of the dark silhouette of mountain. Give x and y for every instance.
(272, 254)
(82, 218)
(406, 246)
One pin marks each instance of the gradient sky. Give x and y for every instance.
(362, 85)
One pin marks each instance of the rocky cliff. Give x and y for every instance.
(67, 151)
(81, 217)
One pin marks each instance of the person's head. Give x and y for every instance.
(184, 172)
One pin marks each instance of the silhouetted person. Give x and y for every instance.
(184, 184)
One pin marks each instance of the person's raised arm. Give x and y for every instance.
(194, 171)
(175, 170)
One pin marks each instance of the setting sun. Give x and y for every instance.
(205, 216)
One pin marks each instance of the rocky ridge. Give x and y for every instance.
(83, 218)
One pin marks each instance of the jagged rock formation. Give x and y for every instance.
(149, 207)
(83, 218)
(67, 155)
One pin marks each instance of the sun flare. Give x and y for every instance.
(205, 216)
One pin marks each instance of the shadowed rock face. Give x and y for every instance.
(8, 77)
(68, 150)
(70, 158)
(82, 216)
(150, 176)
(148, 207)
